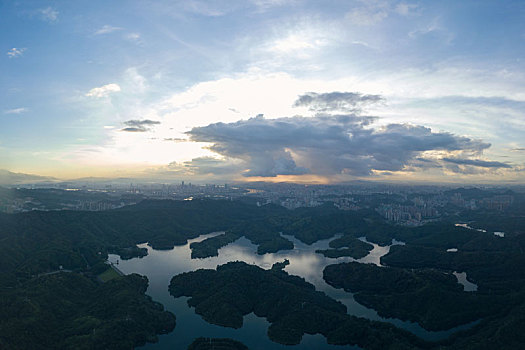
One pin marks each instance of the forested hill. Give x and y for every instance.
(52, 263)
(53, 276)
(41, 241)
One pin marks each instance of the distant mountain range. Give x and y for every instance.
(10, 178)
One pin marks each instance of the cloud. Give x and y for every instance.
(477, 163)
(218, 8)
(296, 42)
(459, 165)
(433, 29)
(139, 125)
(203, 168)
(372, 12)
(132, 129)
(103, 91)
(336, 101)
(48, 14)
(16, 52)
(365, 17)
(206, 166)
(267, 4)
(107, 29)
(134, 37)
(405, 9)
(207, 8)
(327, 145)
(134, 81)
(303, 39)
(16, 110)
(369, 13)
(175, 139)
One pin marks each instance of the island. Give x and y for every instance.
(432, 298)
(347, 246)
(292, 306)
(210, 246)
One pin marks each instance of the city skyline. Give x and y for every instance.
(264, 90)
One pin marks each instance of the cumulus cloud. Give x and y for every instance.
(48, 14)
(103, 91)
(16, 52)
(107, 29)
(336, 101)
(139, 125)
(329, 145)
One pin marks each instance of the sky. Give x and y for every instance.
(271, 90)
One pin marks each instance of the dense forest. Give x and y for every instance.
(429, 297)
(70, 311)
(56, 289)
(48, 254)
(289, 303)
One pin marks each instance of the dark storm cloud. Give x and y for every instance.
(139, 125)
(332, 101)
(477, 163)
(327, 145)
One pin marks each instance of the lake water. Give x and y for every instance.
(496, 233)
(467, 285)
(161, 265)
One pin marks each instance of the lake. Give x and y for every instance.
(161, 265)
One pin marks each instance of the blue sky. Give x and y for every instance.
(172, 89)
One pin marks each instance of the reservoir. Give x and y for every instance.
(467, 285)
(161, 265)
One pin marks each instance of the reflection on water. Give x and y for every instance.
(161, 265)
(496, 233)
(471, 228)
